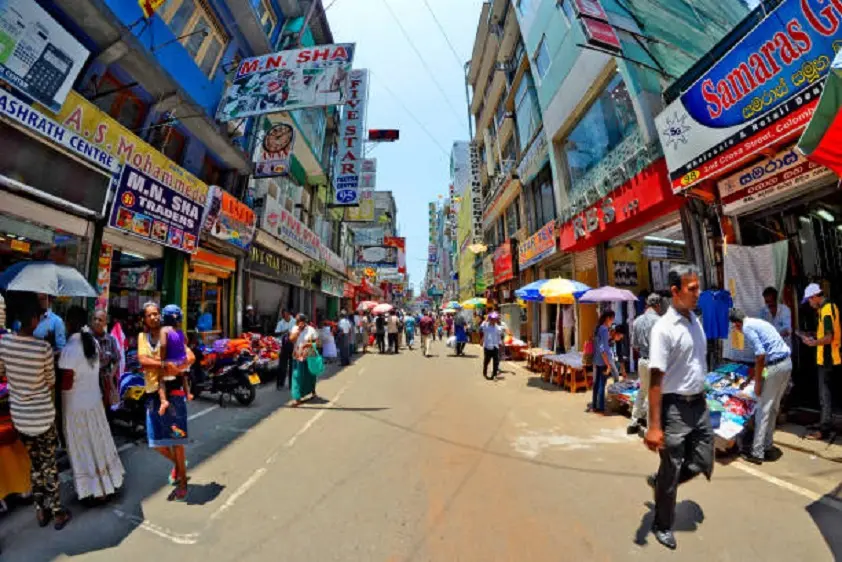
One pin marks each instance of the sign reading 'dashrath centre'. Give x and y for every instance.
(760, 93)
(148, 209)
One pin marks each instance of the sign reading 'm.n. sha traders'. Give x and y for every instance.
(760, 93)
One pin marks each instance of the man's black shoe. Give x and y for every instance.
(666, 538)
(748, 457)
(633, 429)
(652, 480)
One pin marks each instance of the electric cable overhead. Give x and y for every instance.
(444, 34)
(423, 61)
(413, 117)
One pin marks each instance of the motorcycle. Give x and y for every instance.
(224, 373)
(131, 410)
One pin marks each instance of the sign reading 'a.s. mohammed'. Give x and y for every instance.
(760, 93)
(148, 209)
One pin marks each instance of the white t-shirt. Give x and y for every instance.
(307, 336)
(678, 348)
(85, 393)
(344, 326)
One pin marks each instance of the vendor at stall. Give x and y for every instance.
(641, 329)
(778, 314)
(772, 369)
(827, 342)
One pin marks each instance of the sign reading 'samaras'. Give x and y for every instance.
(759, 93)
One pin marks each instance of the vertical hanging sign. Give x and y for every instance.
(476, 196)
(346, 175)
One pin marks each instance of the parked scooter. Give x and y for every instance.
(225, 370)
(131, 410)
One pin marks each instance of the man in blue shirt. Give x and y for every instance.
(51, 326)
(772, 369)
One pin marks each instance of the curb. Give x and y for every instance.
(805, 450)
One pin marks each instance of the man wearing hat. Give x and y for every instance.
(492, 339)
(827, 342)
(251, 323)
(641, 329)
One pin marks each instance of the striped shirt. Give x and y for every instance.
(28, 365)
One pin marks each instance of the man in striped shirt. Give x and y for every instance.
(28, 365)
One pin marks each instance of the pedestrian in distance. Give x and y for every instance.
(380, 333)
(602, 360)
(492, 339)
(27, 363)
(679, 420)
(459, 325)
(427, 326)
(282, 329)
(772, 369)
(345, 338)
(393, 327)
(641, 330)
(828, 344)
(305, 339)
(409, 327)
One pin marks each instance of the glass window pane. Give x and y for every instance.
(542, 58)
(268, 26)
(194, 42)
(547, 203)
(211, 54)
(181, 16)
(131, 113)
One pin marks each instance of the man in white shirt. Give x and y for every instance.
(679, 421)
(492, 339)
(284, 326)
(358, 333)
(345, 336)
(777, 314)
(393, 328)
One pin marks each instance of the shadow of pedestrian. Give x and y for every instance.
(688, 517)
(828, 518)
(538, 382)
(200, 494)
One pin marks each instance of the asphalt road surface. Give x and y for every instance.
(413, 459)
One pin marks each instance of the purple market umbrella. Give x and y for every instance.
(607, 294)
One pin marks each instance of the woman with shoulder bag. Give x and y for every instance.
(304, 338)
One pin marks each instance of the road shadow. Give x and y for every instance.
(538, 382)
(688, 516)
(828, 518)
(305, 406)
(200, 494)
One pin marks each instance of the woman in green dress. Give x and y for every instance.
(304, 338)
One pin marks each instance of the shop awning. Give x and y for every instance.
(822, 139)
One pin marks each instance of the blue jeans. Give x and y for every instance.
(600, 376)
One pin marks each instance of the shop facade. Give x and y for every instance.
(775, 207)
(273, 280)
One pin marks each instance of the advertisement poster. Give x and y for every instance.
(143, 278)
(148, 209)
(368, 176)
(503, 266)
(288, 80)
(274, 149)
(37, 56)
(365, 211)
(540, 245)
(369, 236)
(282, 224)
(761, 92)
(375, 256)
(346, 176)
(103, 276)
(99, 131)
(228, 219)
(332, 260)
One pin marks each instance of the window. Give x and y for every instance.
(527, 112)
(542, 201)
(211, 172)
(266, 17)
(525, 6)
(513, 218)
(201, 32)
(567, 9)
(120, 103)
(605, 124)
(501, 230)
(542, 57)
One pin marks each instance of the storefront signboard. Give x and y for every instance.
(368, 236)
(346, 178)
(645, 197)
(540, 245)
(228, 219)
(595, 25)
(760, 93)
(282, 224)
(105, 134)
(103, 276)
(432, 254)
(768, 180)
(375, 256)
(37, 56)
(331, 285)
(148, 209)
(141, 278)
(288, 80)
(365, 211)
(267, 262)
(273, 152)
(32, 119)
(503, 264)
(487, 271)
(332, 260)
(534, 159)
(475, 195)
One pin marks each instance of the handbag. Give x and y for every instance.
(315, 363)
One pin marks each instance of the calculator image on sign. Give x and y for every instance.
(48, 73)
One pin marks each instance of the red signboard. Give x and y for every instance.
(642, 199)
(503, 265)
(595, 24)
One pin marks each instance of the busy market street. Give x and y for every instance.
(412, 459)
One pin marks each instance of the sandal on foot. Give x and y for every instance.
(178, 495)
(62, 520)
(171, 479)
(43, 517)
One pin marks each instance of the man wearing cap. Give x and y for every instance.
(772, 369)
(251, 323)
(641, 329)
(827, 342)
(492, 339)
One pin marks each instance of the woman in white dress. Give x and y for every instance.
(329, 351)
(97, 469)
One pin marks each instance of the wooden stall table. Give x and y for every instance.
(514, 352)
(533, 357)
(571, 373)
(556, 369)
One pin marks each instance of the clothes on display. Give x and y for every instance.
(714, 306)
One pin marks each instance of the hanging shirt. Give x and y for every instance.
(715, 306)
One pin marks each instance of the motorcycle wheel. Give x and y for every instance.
(244, 392)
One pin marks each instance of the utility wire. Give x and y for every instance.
(414, 118)
(423, 61)
(444, 34)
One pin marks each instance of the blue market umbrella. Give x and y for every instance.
(46, 277)
(530, 292)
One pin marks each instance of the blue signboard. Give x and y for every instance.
(148, 209)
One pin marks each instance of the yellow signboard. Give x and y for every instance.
(149, 7)
(103, 132)
(363, 213)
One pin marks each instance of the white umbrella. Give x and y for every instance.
(48, 278)
(382, 308)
